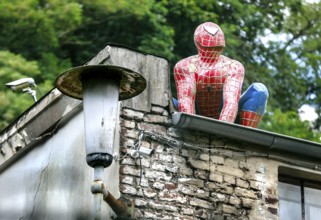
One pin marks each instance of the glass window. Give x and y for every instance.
(312, 203)
(289, 201)
(299, 199)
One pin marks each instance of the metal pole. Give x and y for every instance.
(97, 189)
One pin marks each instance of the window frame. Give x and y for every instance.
(302, 183)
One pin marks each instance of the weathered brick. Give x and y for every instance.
(145, 162)
(225, 189)
(158, 110)
(271, 199)
(213, 167)
(162, 206)
(150, 215)
(128, 161)
(124, 169)
(149, 193)
(273, 210)
(156, 175)
(187, 211)
(229, 179)
(170, 185)
(231, 171)
(142, 182)
(200, 203)
(217, 159)
(193, 191)
(127, 189)
(272, 190)
(217, 216)
(172, 151)
(171, 167)
(127, 179)
(155, 215)
(184, 170)
(215, 177)
(210, 185)
(247, 203)
(199, 164)
(256, 185)
(129, 143)
(231, 163)
(128, 113)
(158, 185)
(242, 183)
(259, 177)
(130, 133)
(165, 113)
(225, 153)
(145, 144)
(179, 159)
(159, 149)
(158, 166)
(261, 169)
(190, 181)
(201, 213)
(244, 165)
(197, 184)
(152, 128)
(229, 209)
(158, 119)
(128, 124)
(140, 192)
(201, 174)
(218, 197)
(241, 192)
(166, 158)
(234, 200)
(204, 157)
(172, 196)
(188, 153)
(173, 132)
(140, 202)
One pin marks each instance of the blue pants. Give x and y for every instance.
(254, 99)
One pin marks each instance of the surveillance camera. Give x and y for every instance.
(20, 84)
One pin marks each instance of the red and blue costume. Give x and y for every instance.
(210, 84)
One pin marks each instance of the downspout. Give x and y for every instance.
(99, 189)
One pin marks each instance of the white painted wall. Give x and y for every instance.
(52, 180)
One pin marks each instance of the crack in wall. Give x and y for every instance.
(39, 184)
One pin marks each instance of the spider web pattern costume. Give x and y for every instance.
(213, 82)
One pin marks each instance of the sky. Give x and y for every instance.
(307, 112)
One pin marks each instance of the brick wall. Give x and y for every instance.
(192, 175)
(189, 175)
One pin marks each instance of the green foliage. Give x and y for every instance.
(42, 38)
(289, 123)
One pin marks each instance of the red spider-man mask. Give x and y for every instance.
(209, 40)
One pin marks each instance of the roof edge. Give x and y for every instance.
(251, 135)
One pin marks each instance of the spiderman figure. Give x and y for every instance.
(210, 84)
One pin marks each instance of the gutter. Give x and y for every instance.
(251, 135)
